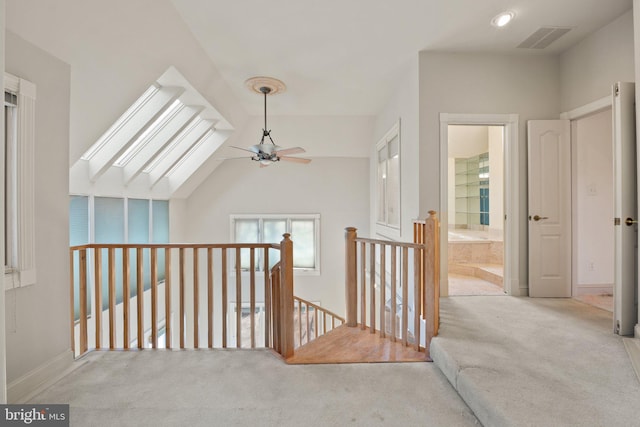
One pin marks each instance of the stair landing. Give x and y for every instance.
(354, 345)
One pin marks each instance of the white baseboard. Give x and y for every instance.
(24, 388)
(598, 289)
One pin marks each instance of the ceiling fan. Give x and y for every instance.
(267, 152)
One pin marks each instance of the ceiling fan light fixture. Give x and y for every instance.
(266, 151)
(502, 19)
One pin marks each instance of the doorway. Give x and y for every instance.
(475, 235)
(512, 170)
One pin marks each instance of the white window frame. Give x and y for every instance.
(383, 228)
(22, 271)
(288, 218)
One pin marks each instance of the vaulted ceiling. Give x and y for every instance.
(342, 57)
(339, 59)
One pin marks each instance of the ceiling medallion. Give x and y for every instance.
(257, 85)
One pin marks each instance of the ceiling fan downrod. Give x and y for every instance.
(266, 91)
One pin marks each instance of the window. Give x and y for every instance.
(305, 234)
(388, 180)
(19, 148)
(119, 220)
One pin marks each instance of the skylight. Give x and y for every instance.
(195, 122)
(190, 152)
(148, 133)
(131, 111)
(157, 134)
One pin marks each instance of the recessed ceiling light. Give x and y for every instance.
(502, 19)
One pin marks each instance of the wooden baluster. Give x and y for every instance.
(308, 322)
(97, 280)
(72, 301)
(275, 305)
(126, 298)
(315, 322)
(333, 322)
(196, 300)
(394, 308)
(224, 297)
(112, 298)
(405, 294)
(300, 322)
(372, 283)
(252, 297)
(238, 300)
(83, 302)
(383, 290)
(210, 297)
(140, 296)
(417, 297)
(167, 297)
(363, 286)
(324, 323)
(154, 298)
(181, 302)
(267, 300)
(351, 276)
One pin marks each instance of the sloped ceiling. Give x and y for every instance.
(338, 58)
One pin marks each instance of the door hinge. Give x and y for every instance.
(616, 221)
(616, 89)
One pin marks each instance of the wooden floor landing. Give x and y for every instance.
(354, 345)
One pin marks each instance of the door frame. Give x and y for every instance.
(597, 106)
(512, 179)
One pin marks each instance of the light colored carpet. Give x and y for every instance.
(461, 285)
(536, 362)
(244, 388)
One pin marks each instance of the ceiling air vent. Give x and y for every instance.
(543, 37)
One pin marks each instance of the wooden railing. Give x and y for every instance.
(172, 295)
(311, 321)
(391, 287)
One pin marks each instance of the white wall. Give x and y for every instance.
(402, 105)
(336, 188)
(594, 235)
(37, 316)
(496, 177)
(588, 69)
(486, 84)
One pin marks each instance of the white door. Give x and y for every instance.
(549, 149)
(625, 210)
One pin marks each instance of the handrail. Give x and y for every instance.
(390, 243)
(126, 297)
(177, 246)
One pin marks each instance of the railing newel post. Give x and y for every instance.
(286, 296)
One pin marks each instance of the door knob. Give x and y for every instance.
(630, 221)
(538, 217)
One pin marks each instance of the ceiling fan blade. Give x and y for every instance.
(287, 151)
(251, 149)
(295, 159)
